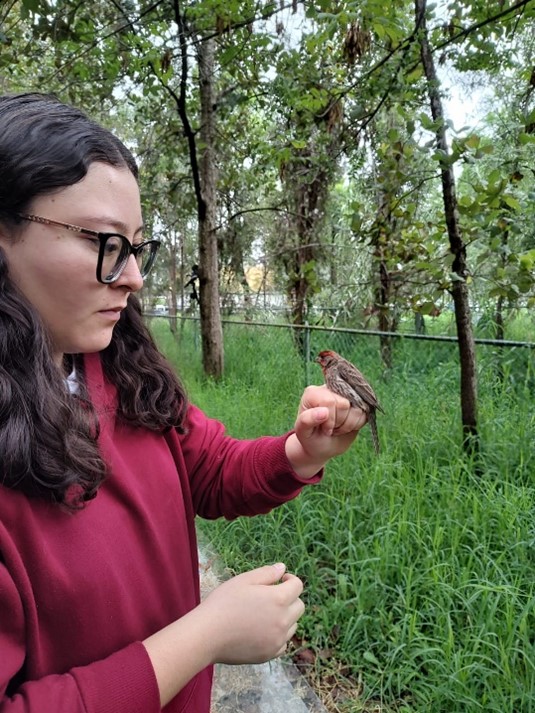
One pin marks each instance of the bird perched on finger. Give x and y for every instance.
(342, 377)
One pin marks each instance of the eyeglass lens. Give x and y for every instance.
(116, 252)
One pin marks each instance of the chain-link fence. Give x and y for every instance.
(286, 353)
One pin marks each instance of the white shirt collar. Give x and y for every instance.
(72, 382)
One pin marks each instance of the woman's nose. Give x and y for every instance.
(130, 277)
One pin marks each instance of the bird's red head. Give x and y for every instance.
(326, 358)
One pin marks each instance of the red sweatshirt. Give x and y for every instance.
(80, 591)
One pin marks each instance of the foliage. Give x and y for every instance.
(286, 80)
(317, 106)
(417, 565)
(328, 186)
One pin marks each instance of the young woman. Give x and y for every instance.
(104, 464)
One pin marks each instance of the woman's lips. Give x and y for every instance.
(112, 312)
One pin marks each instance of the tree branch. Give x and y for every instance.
(181, 105)
(98, 40)
(478, 25)
(8, 9)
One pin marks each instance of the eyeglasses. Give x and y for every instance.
(114, 250)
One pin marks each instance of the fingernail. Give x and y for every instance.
(280, 566)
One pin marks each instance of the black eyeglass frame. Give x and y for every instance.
(127, 248)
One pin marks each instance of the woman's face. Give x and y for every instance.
(56, 268)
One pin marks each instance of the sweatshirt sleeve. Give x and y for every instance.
(121, 683)
(231, 477)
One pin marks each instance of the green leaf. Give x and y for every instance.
(524, 139)
(368, 656)
(356, 223)
(416, 74)
(527, 260)
(427, 308)
(525, 282)
(498, 292)
(512, 202)
(473, 141)
(426, 121)
(31, 5)
(494, 177)
(443, 157)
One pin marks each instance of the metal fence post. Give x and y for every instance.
(306, 354)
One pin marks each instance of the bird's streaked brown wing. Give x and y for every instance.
(350, 373)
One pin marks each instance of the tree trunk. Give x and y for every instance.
(383, 234)
(498, 317)
(389, 178)
(211, 329)
(307, 177)
(204, 183)
(457, 247)
(498, 320)
(419, 323)
(231, 248)
(386, 321)
(172, 285)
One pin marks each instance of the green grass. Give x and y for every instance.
(419, 567)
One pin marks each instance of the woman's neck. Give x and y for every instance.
(67, 364)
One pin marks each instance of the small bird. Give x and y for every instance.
(346, 380)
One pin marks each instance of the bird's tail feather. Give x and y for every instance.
(375, 435)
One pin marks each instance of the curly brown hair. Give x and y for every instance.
(48, 438)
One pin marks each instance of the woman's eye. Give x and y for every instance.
(111, 248)
(94, 242)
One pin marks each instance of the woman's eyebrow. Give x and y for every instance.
(117, 225)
